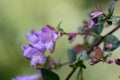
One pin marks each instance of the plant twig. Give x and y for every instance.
(70, 74)
(80, 74)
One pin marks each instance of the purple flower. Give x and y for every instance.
(30, 77)
(95, 14)
(94, 18)
(39, 43)
(35, 55)
(32, 36)
(47, 37)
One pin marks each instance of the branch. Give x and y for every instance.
(102, 38)
(70, 74)
(80, 74)
(78, 33)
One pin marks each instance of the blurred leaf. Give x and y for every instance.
(79, 61)
(71, 55)
(109, 22)
(111, 9)
(98, 28)
(95, 40)
(83, 56)
(49, 75)
(111, 19)
(58, 26)
(111, 39)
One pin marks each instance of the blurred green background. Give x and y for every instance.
(17, 17)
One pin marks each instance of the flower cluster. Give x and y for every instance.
(39, 43)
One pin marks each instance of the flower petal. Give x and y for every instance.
(38, 59)
(24, 47)
(32, 37)
(29, 52)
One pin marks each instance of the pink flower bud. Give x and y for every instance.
(109, 46)
(93, 61)
(78, 48)
(117, 61)
(109, 60)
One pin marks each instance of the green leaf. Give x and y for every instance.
(111, 9)
(109, 22)
(72, 55)
(95, 40)
(98, 28)
(111, 39)
(111, 19)
(58, 26)
(79, 61)
(83, 56)
(49, 75)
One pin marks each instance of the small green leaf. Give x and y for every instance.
(95, 40)
(111, 39)
(111, 9)
(111, 19)
(79, 61)
(98, 28)
(49, 75)
(58, 26)
(83, 56)
(71, 55)
(109, 22)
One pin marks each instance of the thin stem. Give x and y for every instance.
(79, 33)
(70, 74)
(81, 73)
